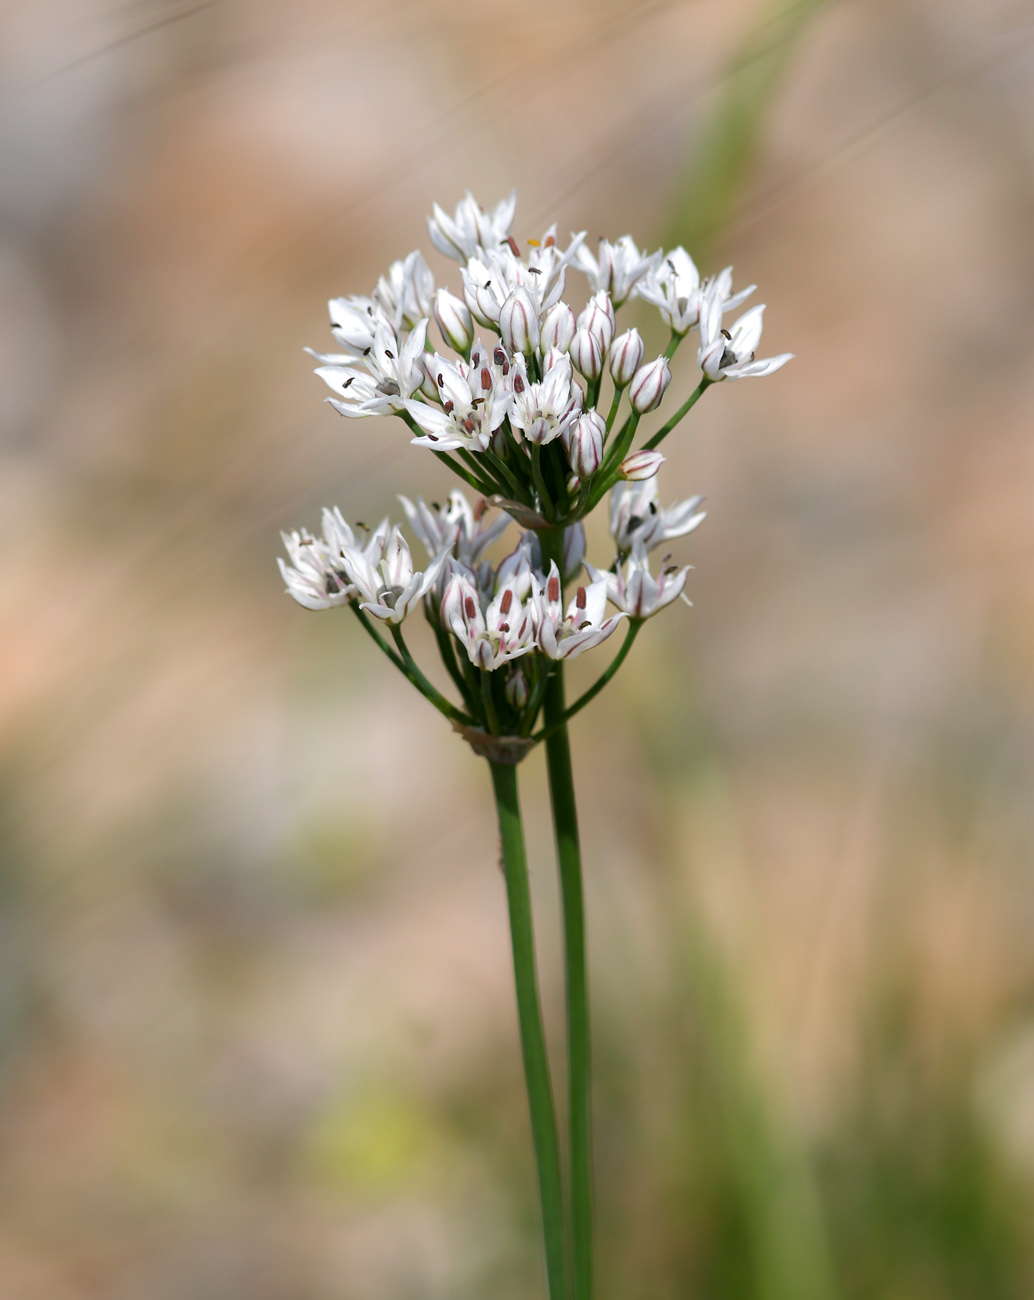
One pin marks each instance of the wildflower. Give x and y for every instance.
(388, 585)
(474, 403)
(649, 385)
(674, 286)
(316, 576)
(519, 322)
(583, 442)
(544, 410)
(455, 526)
(598, 319)
(617, 268)
(454, 320)
(634, 590)
(393, 372)
(471, 227)
(558, 328)
(503, 631)
(730, 355)
(636, 518)
(406, 292)
(641, 464)
(586, 354)
(626, 356)
(585, 625)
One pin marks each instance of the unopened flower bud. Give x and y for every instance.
(517, 690)
(586, 354)
(598, 318)
(428, 381)
(558, 327)
(626, 356)
(583, 442)
(648, 385)
(640, 465)
(454, 320)
(519, 322)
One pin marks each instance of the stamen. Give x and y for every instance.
(389, 354)
(506, 602)
(553, 589)
(513, 245)
(486, 377)
(534, 243)
(449, 407)
(550, 240)
(579, 599)
(518, 384)
(499, 357)
(504, 627)
(441, 380)
(469, 608)
(349, 382)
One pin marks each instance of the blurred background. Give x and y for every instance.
(257, 1034)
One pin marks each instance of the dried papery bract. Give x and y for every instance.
(519, 414)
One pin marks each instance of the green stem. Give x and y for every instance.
(425, 688)
(673, 344)
(597, 686)
(448, 654)
(545, 501)
(533, 1040)
(464, 474)
(491, 717)
(565, 824)
(612, 416)
(683, 410)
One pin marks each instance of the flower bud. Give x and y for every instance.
(648, 385)
(519, 322)
(599, 320)
(640, 465)
(517, 690)
(626, 356)
(428, 381)
(586, 354)
(583, 442)
(454, 320)
(558, 327)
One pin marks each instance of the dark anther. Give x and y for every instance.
(504, 627)
(534, 270)
(448, 408)
(671, 266)
(441, 380)
(727, 335)
(653, 507)
(470, 609)
(499, 357)
(506, 602)
(349, 382)
(388, 387)
(506, 368)
(433, 437)
(728, 358)
(513, 245)
(476, 402)
(367, 351)
(550, 241)
(634, 522)
(486, 377)
(359, 524)
(389, 354)
(469, 425)
(518, 384)
(553, 589)
(579, 599)
(487, 284)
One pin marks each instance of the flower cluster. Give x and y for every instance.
(512, 404)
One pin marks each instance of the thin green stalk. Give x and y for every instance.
(491, 717)
(569, 858)
(597, 686)
(531, 709)
(612, 415)
(412, 671)
(464, 473)
(683, 410)
(673, 344)
(448, 654)
(529, 1012)
(372, 631)
(545, 501)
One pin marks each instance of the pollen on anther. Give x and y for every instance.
(486, 377)
(580, 598)
(499, 357)
(553, 589)
(469, 608)
(518, 384)
(506, 602)
(448, 407)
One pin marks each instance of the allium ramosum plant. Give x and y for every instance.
(537, 410)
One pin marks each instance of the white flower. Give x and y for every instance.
(471, 227)
(475, 400)
(393, 373)
(598, 319)
(455, 525)
(558, 327)
(583, 442)
(544, 410)
(503, 631)
(316, 577)
(585, 624)
(454, 320)
(626, 356)
(353, 322)
(674, 286)
(491, 275)
(641, 465)
(406, 291)
(649, 385)
(634, 590)
(586, 354)
(636, 518)
(519, 322)
(730, 355)
(389, 587)
(617, 268)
